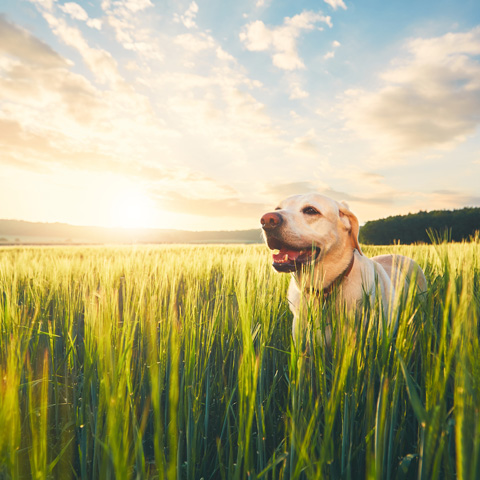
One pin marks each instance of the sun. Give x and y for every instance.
(131, 208)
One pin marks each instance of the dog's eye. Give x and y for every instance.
(310, 211)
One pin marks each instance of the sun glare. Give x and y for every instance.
(132, 209)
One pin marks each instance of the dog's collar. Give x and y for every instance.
(327, 291)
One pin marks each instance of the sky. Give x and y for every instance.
(202, 115)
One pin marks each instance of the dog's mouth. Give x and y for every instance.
(290, 260)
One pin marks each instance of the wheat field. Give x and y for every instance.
(177, 362)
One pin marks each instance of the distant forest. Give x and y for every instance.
(456, 225)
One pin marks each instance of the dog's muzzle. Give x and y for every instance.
(288, 258)
(271, 220)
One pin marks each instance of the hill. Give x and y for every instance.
(30, 233)
(458, 225)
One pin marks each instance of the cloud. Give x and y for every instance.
(133, 6)
(372, 177)
(195, 43)
(431, 97)
(195, 192)
(452, 199)
(188, 18)
(46, 4)
(281, 41)
(306, 145)
(75, 11)
(379, 199)
(210, 207)
(336, 3)
(297, 91)
(99, 61)
(20, 148)
(34, 77)
(112, 128)
(283, 190)
(262, 3)
(131, 28)
(21, 44)
(137, 5)
(68, 118)
(48, 152)
(51, 115)
(218, 106)
(331, 53)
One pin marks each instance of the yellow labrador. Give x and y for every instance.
(316, 239)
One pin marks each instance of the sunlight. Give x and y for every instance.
(131, 208)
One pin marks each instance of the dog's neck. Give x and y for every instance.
(327, 275)
(328, 290)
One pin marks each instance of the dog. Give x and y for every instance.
(316, 240)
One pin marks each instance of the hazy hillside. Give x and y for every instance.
(21, 232)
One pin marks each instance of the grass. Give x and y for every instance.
(178, 362)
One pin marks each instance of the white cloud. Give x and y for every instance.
(75, 11)
(331, 54)
(132, 28)
(86, 127)
(223, 55)
(281, 41)
(307, 20)
(188, 18)
(137, 5)
(294, 115)
(46, 4)
(297, 92)
(100, 62)
(21, 44)
(336, 3)
(431, 97)
(95, 23)
(224, 113)
(195, 43)
(306, 145)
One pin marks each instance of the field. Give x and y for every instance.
(178, 362)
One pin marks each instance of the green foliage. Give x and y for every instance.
(456, 225)
(178, 362)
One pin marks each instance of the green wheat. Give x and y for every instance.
(178, 362)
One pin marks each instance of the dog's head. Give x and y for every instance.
(306, 228)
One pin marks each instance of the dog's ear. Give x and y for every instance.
(351, 223)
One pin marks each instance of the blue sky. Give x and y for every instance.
(202, 115)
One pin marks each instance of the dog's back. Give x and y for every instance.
(402, 269)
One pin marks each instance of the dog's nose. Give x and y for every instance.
(271, 220)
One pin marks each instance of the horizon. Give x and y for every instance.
(119, 227)
(201, 116)
(133, 229)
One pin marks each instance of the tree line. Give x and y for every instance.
(453, 225)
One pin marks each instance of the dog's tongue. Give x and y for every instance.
(284, 255)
